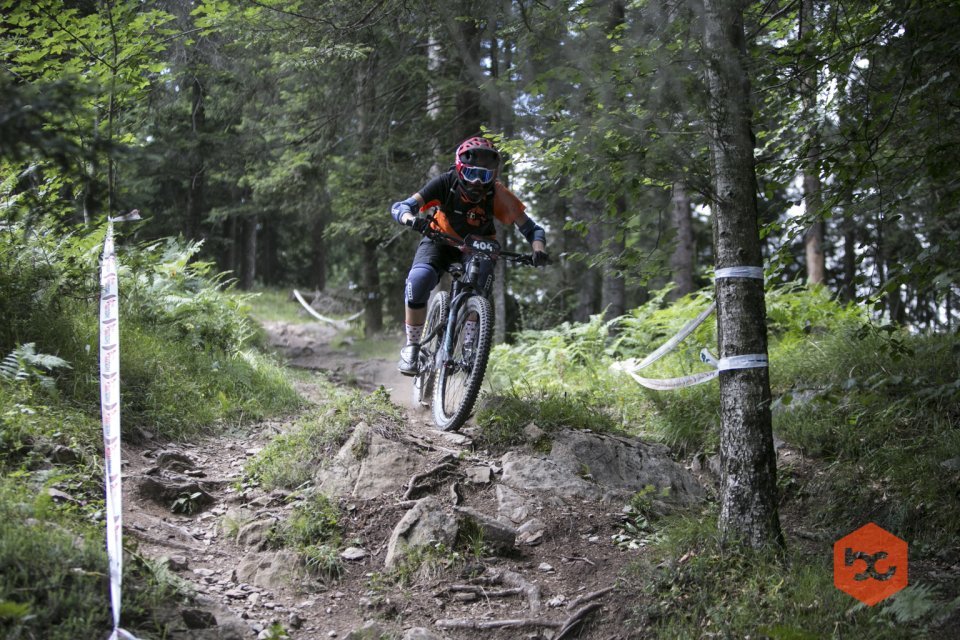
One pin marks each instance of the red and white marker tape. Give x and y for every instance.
(110, 413)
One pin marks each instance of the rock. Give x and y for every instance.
(420, 633)
(496, 534)
(198, 619)
(63, 455)
(557, 601)
(353, 554)
(256, 534)
(176, 562)
(531, 532)
(371, 630)
(383, 468)
(424, 524)
(617, 468)
(270, 570)
(168, 488)
(294, 621)
(511, 505)
(533, 434)
(953, 464)
(544, 567)
(177, 461)
(479, 475)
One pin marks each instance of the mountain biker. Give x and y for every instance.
(468, 197)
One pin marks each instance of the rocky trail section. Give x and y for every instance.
(544, 520)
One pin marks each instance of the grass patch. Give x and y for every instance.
(694, 587)
(502, 418)
(53, 572)
(292, 458)
(313, 530)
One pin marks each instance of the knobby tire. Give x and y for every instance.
(456, 388)
(424, 380)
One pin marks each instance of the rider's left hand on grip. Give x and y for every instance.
(540, 258)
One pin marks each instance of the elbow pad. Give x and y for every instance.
(533, 232)
(406, 206)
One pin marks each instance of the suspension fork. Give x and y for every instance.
(455, 305)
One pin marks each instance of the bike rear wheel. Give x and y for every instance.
(436, 317)
(458, 380)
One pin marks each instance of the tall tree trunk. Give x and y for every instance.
(813, 239)
(248, 257)
(372, 304)
(318, 259)
(613, 295)
(682, 260)
(590, 280)
(748, 490)
(370, 285)
(849, 257)
(195, 191)
(614, 291)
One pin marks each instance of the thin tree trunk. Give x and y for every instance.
(682, 260)
(372, 307)
(813, 239)
(748, 490)
(318, 259)
(590, 280)
(195, 191)
(248, 257)
(849, 258)
(614, 292)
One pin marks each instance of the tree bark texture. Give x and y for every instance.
(588, 280)
(682, 260)
(196, 205)
(372, 307)
(813, 239)
(613, 297)
(248, 257)
(748, 510)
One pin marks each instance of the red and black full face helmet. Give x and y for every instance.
(478, 164)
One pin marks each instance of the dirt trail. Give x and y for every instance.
(575, 559)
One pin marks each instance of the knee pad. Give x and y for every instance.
(420, 282)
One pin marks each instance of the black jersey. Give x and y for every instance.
(458, 217)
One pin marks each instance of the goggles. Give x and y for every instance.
(477, 174)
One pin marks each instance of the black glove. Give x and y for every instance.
(418, 224)
(540, 258)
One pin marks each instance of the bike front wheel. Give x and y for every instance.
(459, 378)
(427, 373)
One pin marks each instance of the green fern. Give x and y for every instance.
(25, 364)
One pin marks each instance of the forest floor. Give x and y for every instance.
(574, 568)
(575, 573)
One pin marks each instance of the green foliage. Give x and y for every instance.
(697, 585)
(184, 341)
(292, 458)
(172, 290)
(502, 418)
(878, 400)
(313, 530)
(25, 364)
(53, 572)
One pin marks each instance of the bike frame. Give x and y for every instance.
(460, 291)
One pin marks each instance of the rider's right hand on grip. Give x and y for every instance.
(540, 259)
(418, 224)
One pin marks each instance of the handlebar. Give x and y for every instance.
(460, 243)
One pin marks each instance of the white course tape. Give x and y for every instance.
(671, 344)
(669, 384)
(339, 324)
(747, 361)
(110, 413)
(755, 273)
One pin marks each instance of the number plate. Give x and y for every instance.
(482, 244)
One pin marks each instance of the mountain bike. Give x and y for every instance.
(453, 359)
